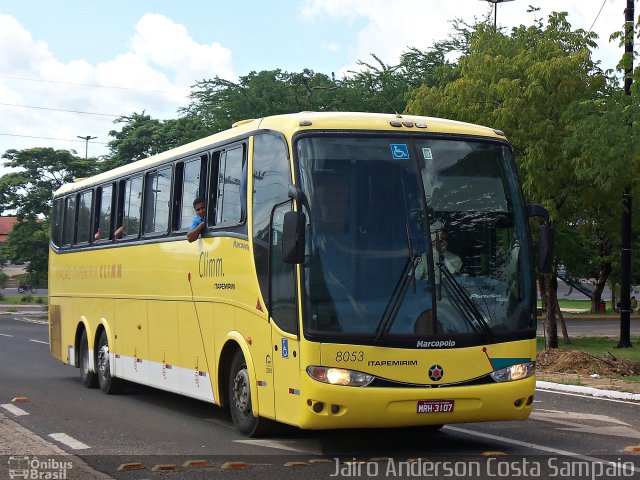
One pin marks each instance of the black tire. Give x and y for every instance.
(21, 290)
(88, 377)
(108, 384)
(34, 290)
(240, 400)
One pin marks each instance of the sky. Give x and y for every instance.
(69, 68)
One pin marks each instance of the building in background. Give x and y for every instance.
(6, 225)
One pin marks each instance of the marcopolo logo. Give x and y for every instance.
(435, 343)
(24, 467)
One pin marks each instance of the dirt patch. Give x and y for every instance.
(555, 360)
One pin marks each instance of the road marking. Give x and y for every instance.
(564, 415)
(534, 446)
(69, 441)
(619, 429)
(593, 397)
(31, 320)
(13, 409)
(292, 446)
(38, 341)
(5, 335)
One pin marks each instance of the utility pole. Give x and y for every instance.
(86, 139)
(495, 10)
(625, 254)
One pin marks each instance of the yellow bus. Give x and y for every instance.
(355, 270)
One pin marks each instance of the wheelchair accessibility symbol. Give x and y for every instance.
(400, 151)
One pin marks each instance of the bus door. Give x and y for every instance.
(284, 332)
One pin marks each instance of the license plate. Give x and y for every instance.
(435, 406)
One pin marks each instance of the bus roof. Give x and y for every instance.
(289, 124)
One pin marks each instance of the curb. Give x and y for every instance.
(594, 392)
(16, 440)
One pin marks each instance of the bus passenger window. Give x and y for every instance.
(103, 212)
(230, 180)
(69, 221)
(191, 189)
(57, 214)
(157, 198)
(212, 199)
(132, 208)
(84, 218)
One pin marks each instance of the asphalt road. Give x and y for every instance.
(157, 428)
(593, 327)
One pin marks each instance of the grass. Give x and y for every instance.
(599, 346)
(27, 299)
(584, 305)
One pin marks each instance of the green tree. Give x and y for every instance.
(218, 103)
(142, 136)
(527, 83)
(27, 192)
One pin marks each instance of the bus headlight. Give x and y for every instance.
(514, 372)
(339, 376)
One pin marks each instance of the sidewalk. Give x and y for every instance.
(24, 454)
(579, 382)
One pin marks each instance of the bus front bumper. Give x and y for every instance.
(332, 406)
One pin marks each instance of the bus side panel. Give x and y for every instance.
(164, 353)
(257, 329)
(69, 318)
(55, 333)
(195, 333)
(131, 341)
(286, 378)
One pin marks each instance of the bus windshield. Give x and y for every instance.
(413, 237)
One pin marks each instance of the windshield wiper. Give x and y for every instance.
(400, 290)
(465, 304)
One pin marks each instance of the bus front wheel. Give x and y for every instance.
(108, 384)
(89, 378)
(240, 400)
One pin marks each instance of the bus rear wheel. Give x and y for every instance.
(240, 400)
(108, 384)
(89, 377)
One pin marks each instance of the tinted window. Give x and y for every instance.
(283, 279)
(229, 208)
(57, 214)
(157, 201)
(132, 207)
(69, 220)
(271, 179)
(105, 199)
(190, 191)
(84, 218)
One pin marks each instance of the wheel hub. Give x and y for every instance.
(103, 360)
(241, 395)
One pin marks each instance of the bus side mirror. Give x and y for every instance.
(545, 248)
(546, 240)
(293, 237)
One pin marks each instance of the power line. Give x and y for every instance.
(48, 138)
(60, 110)
(596, 19)
(93, 85)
